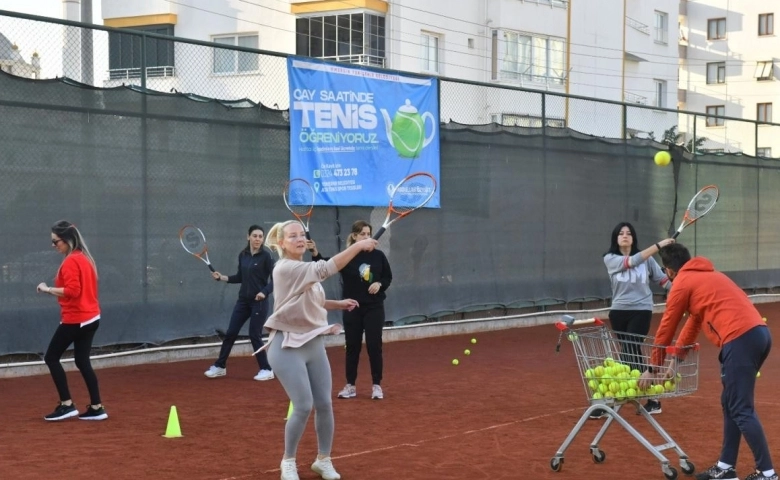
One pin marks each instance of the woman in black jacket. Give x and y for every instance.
(365, 279)
(255, 265)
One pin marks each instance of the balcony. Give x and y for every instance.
(638, 26)
(634, 98)
(132, 73)
(368, 60)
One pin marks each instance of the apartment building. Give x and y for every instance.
(727, 68)
(620, 50)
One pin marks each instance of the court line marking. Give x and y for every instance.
(418, 443)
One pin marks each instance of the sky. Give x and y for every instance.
(47, 39)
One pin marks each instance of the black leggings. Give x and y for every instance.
(370, 320)
(629, 325)
(81, 338)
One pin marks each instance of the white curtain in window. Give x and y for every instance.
(539, 58)
(248, 62)
(509, 62)
(525, 54)
(557, 61)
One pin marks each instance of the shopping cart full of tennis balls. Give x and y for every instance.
(610, 364)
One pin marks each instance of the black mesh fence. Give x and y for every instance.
(528, 200)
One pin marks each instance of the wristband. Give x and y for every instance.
(658, 246)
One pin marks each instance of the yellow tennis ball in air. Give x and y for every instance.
(764, 319)
(455, 361)
(758, 375)
(473, 340)
(662, 158)
(467, 352)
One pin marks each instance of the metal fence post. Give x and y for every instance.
(144, 179)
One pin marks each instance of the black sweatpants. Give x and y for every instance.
(631, 326)
(371, 320)
(257, 313)
(81, 338)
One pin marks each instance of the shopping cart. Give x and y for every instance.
(610, 363)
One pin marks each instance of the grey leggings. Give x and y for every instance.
(305, 375)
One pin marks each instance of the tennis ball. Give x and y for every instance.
(594, 385)
(764, 319)
(597, 396)
(589, 373)
(608, 362)
(467, 352)
(635, 373)
(758, 375)
(455, 361)
(573, 337)
(599, 371)
(473, 340)
(662, 158)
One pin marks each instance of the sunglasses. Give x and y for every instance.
(55, 242)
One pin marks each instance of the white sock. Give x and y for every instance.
(768, 473)
(724, 466)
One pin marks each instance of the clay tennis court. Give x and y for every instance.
(501, 414)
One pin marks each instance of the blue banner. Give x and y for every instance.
(355, 133)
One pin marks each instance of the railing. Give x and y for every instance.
(371, 60)
(128, 73)
(637, 25)
(634, 98)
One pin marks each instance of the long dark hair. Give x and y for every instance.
(252, 228)
(613, 243)
(68, 233)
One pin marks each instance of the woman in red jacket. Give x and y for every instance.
(76, 289)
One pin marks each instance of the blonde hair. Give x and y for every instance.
(68, 233)
(276, 236)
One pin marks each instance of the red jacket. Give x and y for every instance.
(715, 303)
(79, 280)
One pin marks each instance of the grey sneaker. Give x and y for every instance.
(214, 372)
(376, 393)
(264, 375)
(348, 391)
(716, 473)
(324, 467)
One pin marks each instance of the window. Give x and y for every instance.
(766, 24)
(660, 93)
(716, 29)
(764, 70)
(716, 110)
(765, 152)
(764, 112)
(430, 52)
(234, 61)
(124, 53)
(353, 38)
(716, 72)
(520, 56)
(661, 27)
(516, 120)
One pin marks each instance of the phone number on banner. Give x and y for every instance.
(336, 172)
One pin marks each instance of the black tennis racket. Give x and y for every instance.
(194, 242)
(411, 193)
(699, 206)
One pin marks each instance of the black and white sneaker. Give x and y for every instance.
(596, 414)
(61, 412)
(717, 473)
(653, 407)
(92, 413)
(760, 476)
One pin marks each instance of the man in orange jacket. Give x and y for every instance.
(729, 320)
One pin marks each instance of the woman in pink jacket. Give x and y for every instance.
(295, 346)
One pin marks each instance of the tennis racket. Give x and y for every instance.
(699, 206)
(411, 193)
(194, 242)
(299, 199)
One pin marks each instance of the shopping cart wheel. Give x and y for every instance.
(670, 473)
(598, 455)
(556, 464)
(687, 467)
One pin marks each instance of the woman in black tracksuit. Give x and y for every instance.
(255, 265)
(365, 279)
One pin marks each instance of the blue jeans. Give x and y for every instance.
(740, 361)
(257, 313)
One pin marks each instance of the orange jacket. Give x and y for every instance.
(715, 303)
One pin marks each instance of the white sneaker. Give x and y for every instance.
(348, 392)
(376, 393)
(289, 469)
(214, 372)
(324, 467)
(264, 375)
